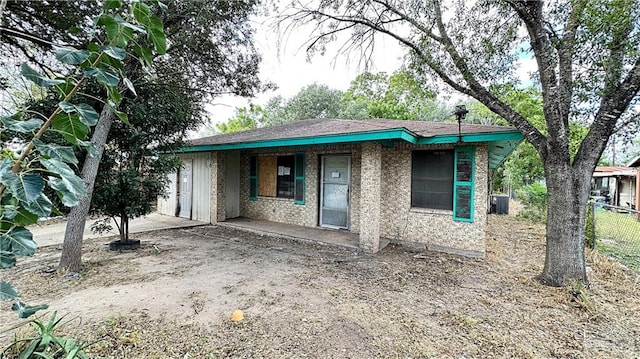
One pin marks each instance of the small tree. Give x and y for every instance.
(210, 44)
(134, 167)
(22, 174)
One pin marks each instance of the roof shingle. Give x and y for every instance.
(320, 127)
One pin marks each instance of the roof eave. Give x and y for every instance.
(382, 135)
(503, 141)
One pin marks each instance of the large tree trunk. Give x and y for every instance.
(568, 191)
(71, 258)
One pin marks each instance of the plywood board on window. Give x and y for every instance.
(267, 175)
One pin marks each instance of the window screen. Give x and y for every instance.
(432, 179)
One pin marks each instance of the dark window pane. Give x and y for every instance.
(432, 179)
(253, 166)
(253, 188)
(299, 190)
(464, 170)
(285, 176)
(299, 164)
(463, 202)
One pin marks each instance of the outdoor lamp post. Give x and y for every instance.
(460, 112)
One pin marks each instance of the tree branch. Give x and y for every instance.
(611, 108)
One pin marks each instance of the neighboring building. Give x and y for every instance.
(411, 182)
(617, 185)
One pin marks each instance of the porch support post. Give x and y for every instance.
(217, 200)
(370, 197)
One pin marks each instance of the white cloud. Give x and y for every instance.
(287, 66)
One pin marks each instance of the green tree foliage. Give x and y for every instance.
(397, 96)
(588, 70)
(30, 29)
(211, 44)
(24, 175)
(524, 166)
(313, 101)
(534, 198)
(133, 171)
(209, 47)
(245, 118)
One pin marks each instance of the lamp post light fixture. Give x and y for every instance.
(460, 112)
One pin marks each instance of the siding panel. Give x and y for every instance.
(200, 210)
(167, 206)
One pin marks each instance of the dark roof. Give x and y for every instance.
(612, 171)
(320, 127)
(634, 162)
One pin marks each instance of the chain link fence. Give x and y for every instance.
(615, 231)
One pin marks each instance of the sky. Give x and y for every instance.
(287, 67)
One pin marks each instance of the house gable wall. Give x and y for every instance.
(431, 229)
(285, 210)
(399, 222)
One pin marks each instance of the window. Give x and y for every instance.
(277, 176)
(463, 186)
(299, 178)
(432, 179)
(284, 182)
(444, 179)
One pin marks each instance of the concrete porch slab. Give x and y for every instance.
(323, 236)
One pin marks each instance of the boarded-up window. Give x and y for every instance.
(267, 170)
(274, 176)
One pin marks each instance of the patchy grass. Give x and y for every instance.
(618, 235)
(174, 298)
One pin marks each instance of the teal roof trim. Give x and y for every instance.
(500, 143)
(499, 150)
(472, 137)
(383, 135)
(395, 134)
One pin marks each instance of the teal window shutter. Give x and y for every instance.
(298, 197)
(253, 178)
(463, 184)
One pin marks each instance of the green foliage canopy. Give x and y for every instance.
(138, 157)
(22, 197)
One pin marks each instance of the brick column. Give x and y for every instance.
(217, 199)
(370, 174)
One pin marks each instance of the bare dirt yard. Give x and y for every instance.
(174, 297)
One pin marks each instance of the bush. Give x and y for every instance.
(534, 198)
(589, 229)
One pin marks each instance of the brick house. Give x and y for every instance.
(410, 182)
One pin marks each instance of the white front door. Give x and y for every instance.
(334, 191)
(185, 189)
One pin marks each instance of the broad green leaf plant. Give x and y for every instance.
(121, 30)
